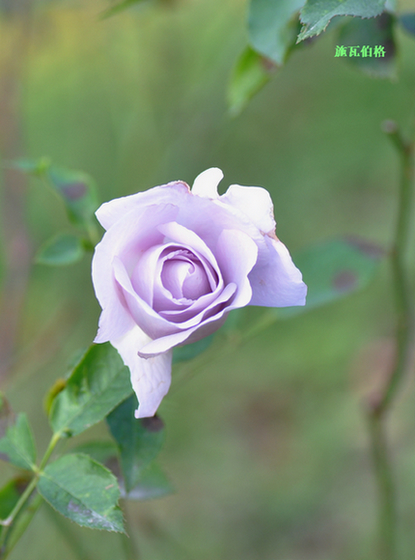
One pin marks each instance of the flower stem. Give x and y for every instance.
(381, 404)
(21, 525)
(10, 522)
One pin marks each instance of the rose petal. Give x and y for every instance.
(150, 377)
(254, 202)
(143, 314)
(153, 323)
(134, 234)
(206, 183)
(237, 254)
(213, 314)
(110, 212)
(275, 280)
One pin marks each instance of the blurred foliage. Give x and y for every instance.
(266, 448)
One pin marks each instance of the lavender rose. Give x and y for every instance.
(173, 263)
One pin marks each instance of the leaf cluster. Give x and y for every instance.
(85, 484)
(278, 28)
(78, 193)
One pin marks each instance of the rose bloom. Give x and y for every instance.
(174, 262)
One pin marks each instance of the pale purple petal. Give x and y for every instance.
(150, 377)
(275, 280)
(143, 314)
(189, 239)
(206, 183)
(212, 314)
(114, 322)
(110, 212)
(237, 254)
(254, 202)
(135, 234)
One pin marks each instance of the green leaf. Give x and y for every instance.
(152, 484)
(372, 37)
(61, 250)
(408, 22)
(17, 445)
(120, 7)
(84, 491)
(35, 167)
(10, 494)
(251, 72)
(334, 269)
(100, 451)
(273, 27)
(76, 189)
(139, 441)
(316, 14)
(78, 192)
(96, 386)
(190, 351)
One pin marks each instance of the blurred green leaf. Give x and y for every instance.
(100, 451)
(18, 445)
(316, 14)
(84, 491)
(78, 192)
(117, 8)
(77, 189)
(334, 269)
(96, 386)
(367, 35)
(61, 250)
(273, 27)
(190, 351)
(139, 440)
(152, 483)
(408, 22)
(251, 72)
(10, 494)
(35, 167)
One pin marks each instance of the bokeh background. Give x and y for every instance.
(267, 447)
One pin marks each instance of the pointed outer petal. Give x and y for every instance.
(275, 280)
(130, 236)
(206, 183)
(150, 377)
(114, 322)
(212, 319)
(237, 254)
(207, 218)
(254, 202)
(110, 212)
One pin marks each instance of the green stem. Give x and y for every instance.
(402, 288)
(8, 523)
(21, 525)
(386, 490)
(380, 407)
(52, 444)
(93, 233)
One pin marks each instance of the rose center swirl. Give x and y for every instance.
(184, 276)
